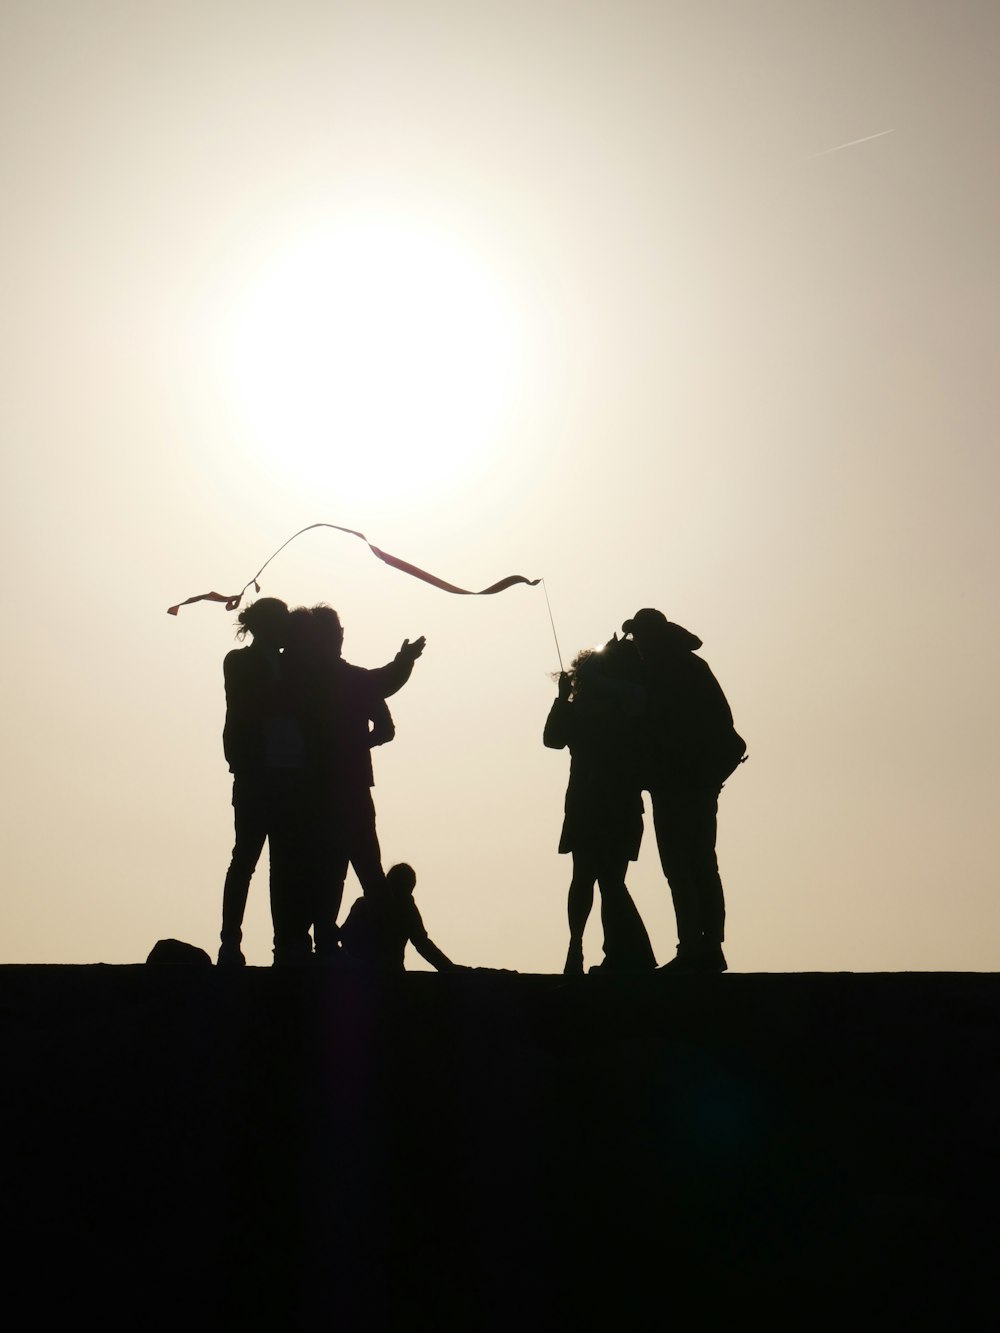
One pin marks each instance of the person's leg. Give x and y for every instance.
(711, 900)
(329, 896)
(673, 842)
(579, 903)
(685, 820)
(326, 870)
(291, 848)
(250, 820)
(362, 839)
(626, 943)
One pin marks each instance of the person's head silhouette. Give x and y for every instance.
(329, 630)
(266, 619)
(401, 880)
(647, 627)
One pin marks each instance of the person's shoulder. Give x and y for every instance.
(703, 669)
(414, 921)
(235, 660)
(698, 675)
(358, 909)
(355, 925)
(359, 679)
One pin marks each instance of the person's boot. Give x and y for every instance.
(230, 954)
(712, 959)
(574, 959)
(703, 956)
(294, 953)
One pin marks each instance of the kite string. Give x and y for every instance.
(264, 566)
(553, 624)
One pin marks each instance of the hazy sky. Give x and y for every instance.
(561, 290)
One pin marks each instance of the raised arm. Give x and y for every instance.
(394, 675)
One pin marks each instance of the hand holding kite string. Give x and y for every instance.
(233, 600)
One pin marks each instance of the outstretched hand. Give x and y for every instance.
(411, 651)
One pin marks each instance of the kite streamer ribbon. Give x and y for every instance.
(232, 601)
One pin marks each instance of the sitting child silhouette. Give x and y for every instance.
(379, 940)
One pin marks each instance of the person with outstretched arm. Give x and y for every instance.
(351, 719)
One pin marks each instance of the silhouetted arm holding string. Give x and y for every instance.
(558, 732)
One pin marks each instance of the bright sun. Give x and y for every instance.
(374, 361)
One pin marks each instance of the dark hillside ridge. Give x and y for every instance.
(258, 1148)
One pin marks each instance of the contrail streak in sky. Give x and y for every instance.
(867, 139)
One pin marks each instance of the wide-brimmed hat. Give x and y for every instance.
(647, 619)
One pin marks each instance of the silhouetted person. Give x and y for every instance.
(263, 744)
(379, 939)
(690, 748)
(594, 716)
(352, 717)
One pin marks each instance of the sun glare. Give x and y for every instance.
(374, 361)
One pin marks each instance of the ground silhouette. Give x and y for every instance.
(278, 1147)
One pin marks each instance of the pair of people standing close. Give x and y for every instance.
(645, 713)
(300, 724)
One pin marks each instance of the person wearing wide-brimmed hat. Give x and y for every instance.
(690, 748)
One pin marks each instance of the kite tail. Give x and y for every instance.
(233, 600)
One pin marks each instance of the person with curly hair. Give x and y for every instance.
(594, 717)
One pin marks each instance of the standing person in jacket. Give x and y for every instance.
(690, 748)
(264, 747)
(594, 716)
(352, 718)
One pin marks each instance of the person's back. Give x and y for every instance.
(689, 734)
(376, 942)
(352, 703)
(252, 677)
